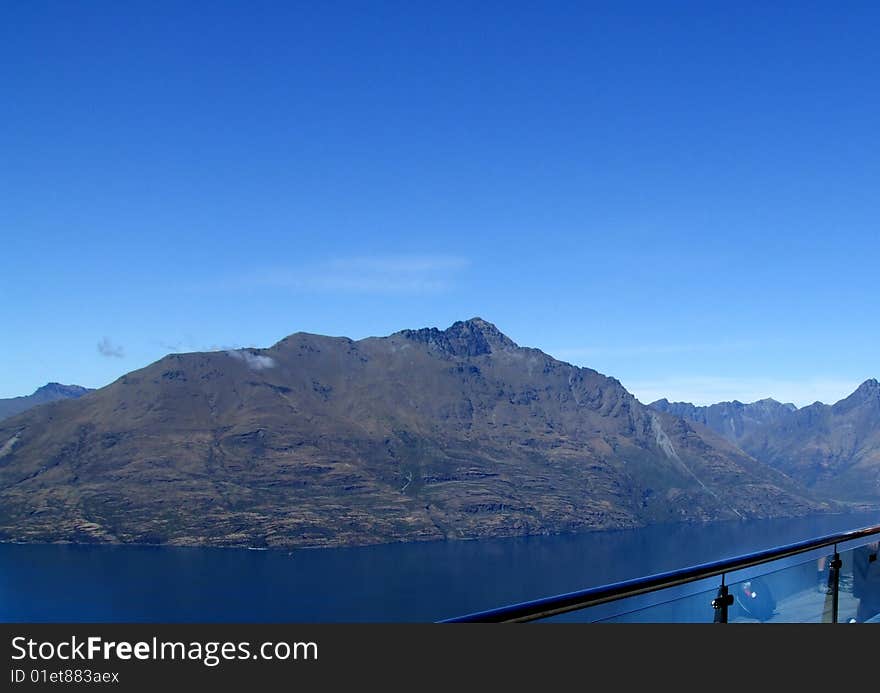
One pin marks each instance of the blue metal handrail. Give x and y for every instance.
(593, 596)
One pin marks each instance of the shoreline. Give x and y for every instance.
(317, 547)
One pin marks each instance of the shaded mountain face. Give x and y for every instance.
(424, 434)
(833, 449)
(733, 420)
(48, 393)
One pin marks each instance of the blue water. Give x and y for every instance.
(395, 582)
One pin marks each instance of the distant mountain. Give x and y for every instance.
(48, 393)
(733, 420)
(832, 449)
(424, 434)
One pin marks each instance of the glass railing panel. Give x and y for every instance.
(797, 593)
(859, 595)
(798, 588)
(682, 604)
(694, 608)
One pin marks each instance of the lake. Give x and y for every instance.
(394, 582)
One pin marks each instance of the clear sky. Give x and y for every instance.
(681, 195)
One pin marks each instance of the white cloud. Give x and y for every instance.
(256, 362)
(190, 344)
(702, 390)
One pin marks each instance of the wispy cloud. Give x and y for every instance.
(189, 344)
(256, 362)
(702, 390)
(385, 274)
(107, 348)
(577, 353)
(171, 347)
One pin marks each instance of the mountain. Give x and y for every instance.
(319, 441)
(48, 393)
(733, 420)
(833, 449)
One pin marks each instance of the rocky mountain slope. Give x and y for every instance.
(733, 420)
(318, 441)
(832, 449)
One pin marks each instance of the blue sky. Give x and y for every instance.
(681, 195)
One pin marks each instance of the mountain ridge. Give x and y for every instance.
(327, 441)
(833, 449)
(47, 393)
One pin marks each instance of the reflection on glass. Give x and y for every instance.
(865, 585)
(671, 605)
(808, 591)
(695, 608)
(797, 594)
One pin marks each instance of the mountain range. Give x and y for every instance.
(733, 420)
(834, 450)
(48, 393)
(323, 441)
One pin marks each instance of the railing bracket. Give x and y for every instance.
(721, 603)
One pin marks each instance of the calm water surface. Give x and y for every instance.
(396, 582)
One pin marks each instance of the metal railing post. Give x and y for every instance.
(721, 603)
(834, 583)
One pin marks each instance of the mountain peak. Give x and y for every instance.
(773, 404)
(47, 393)
(481, 328)
(866, 393)
(870, 389)
(477, 323)
(60, 389)
(473, 337)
